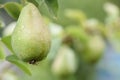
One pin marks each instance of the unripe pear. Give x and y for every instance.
(31, 37)
(96, 47)
(65, 62)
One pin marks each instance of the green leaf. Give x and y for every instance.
(7, 41)
(22, 65)
(48, 6)
(56, 43)
(2, 52)
(2, 24)
(13, 9)
(52, 6)
(2, 55)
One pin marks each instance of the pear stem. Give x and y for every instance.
(24, 2)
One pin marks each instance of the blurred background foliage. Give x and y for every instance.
(92, 8)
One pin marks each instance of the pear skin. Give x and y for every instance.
(31, 37)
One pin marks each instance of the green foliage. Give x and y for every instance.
(22, 65)
(42, 70)
(2, 51)
(13, 9)
(53, 7)
(1, 24)
(48, 7)
(7, 41)
(56, 43)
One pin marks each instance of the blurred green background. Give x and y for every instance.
(92, 8)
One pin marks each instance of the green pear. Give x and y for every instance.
(65, 62)
(31, 37)
(95, 49)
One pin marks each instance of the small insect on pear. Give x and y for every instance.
(32, 62)
(31, 37)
